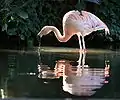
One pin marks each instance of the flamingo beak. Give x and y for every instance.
(39, 37)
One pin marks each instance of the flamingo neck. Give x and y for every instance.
(61, 38)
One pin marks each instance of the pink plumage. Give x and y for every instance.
(85, 22)
(74, 22)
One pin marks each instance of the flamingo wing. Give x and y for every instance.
(97, 24)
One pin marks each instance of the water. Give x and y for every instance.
(59, 73)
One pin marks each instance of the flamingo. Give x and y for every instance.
(76, 23)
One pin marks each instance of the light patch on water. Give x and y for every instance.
(45, 82)
(35, 50)
(73, 50)
(3, 96)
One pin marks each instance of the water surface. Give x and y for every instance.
(59, 73)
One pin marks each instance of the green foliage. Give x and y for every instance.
(25, 18)
(19, 18)
(109, 12)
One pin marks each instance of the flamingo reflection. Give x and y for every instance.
(81, 80)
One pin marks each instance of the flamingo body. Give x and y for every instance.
(84, 22)
(74, 22)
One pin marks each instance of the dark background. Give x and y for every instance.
(21, 20)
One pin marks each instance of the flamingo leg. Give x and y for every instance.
(79, 69)
(83, 42)
(83, 60)
(79, 61)
(79, 42)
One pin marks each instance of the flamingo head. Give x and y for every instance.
(45, 30)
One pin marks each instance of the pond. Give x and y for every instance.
(50, 72)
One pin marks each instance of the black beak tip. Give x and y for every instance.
(38, 37)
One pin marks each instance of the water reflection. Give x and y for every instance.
(27, 76)
(80, 79)
(11, 73)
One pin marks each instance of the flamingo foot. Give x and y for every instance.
(83, 50)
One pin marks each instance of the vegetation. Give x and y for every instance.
(109, 13)
(25, 18)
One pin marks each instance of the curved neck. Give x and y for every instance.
(62, 38)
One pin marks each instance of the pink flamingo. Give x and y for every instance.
(74, 22)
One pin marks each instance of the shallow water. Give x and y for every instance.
(59, 73)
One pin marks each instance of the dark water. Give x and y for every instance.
(59, 73)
